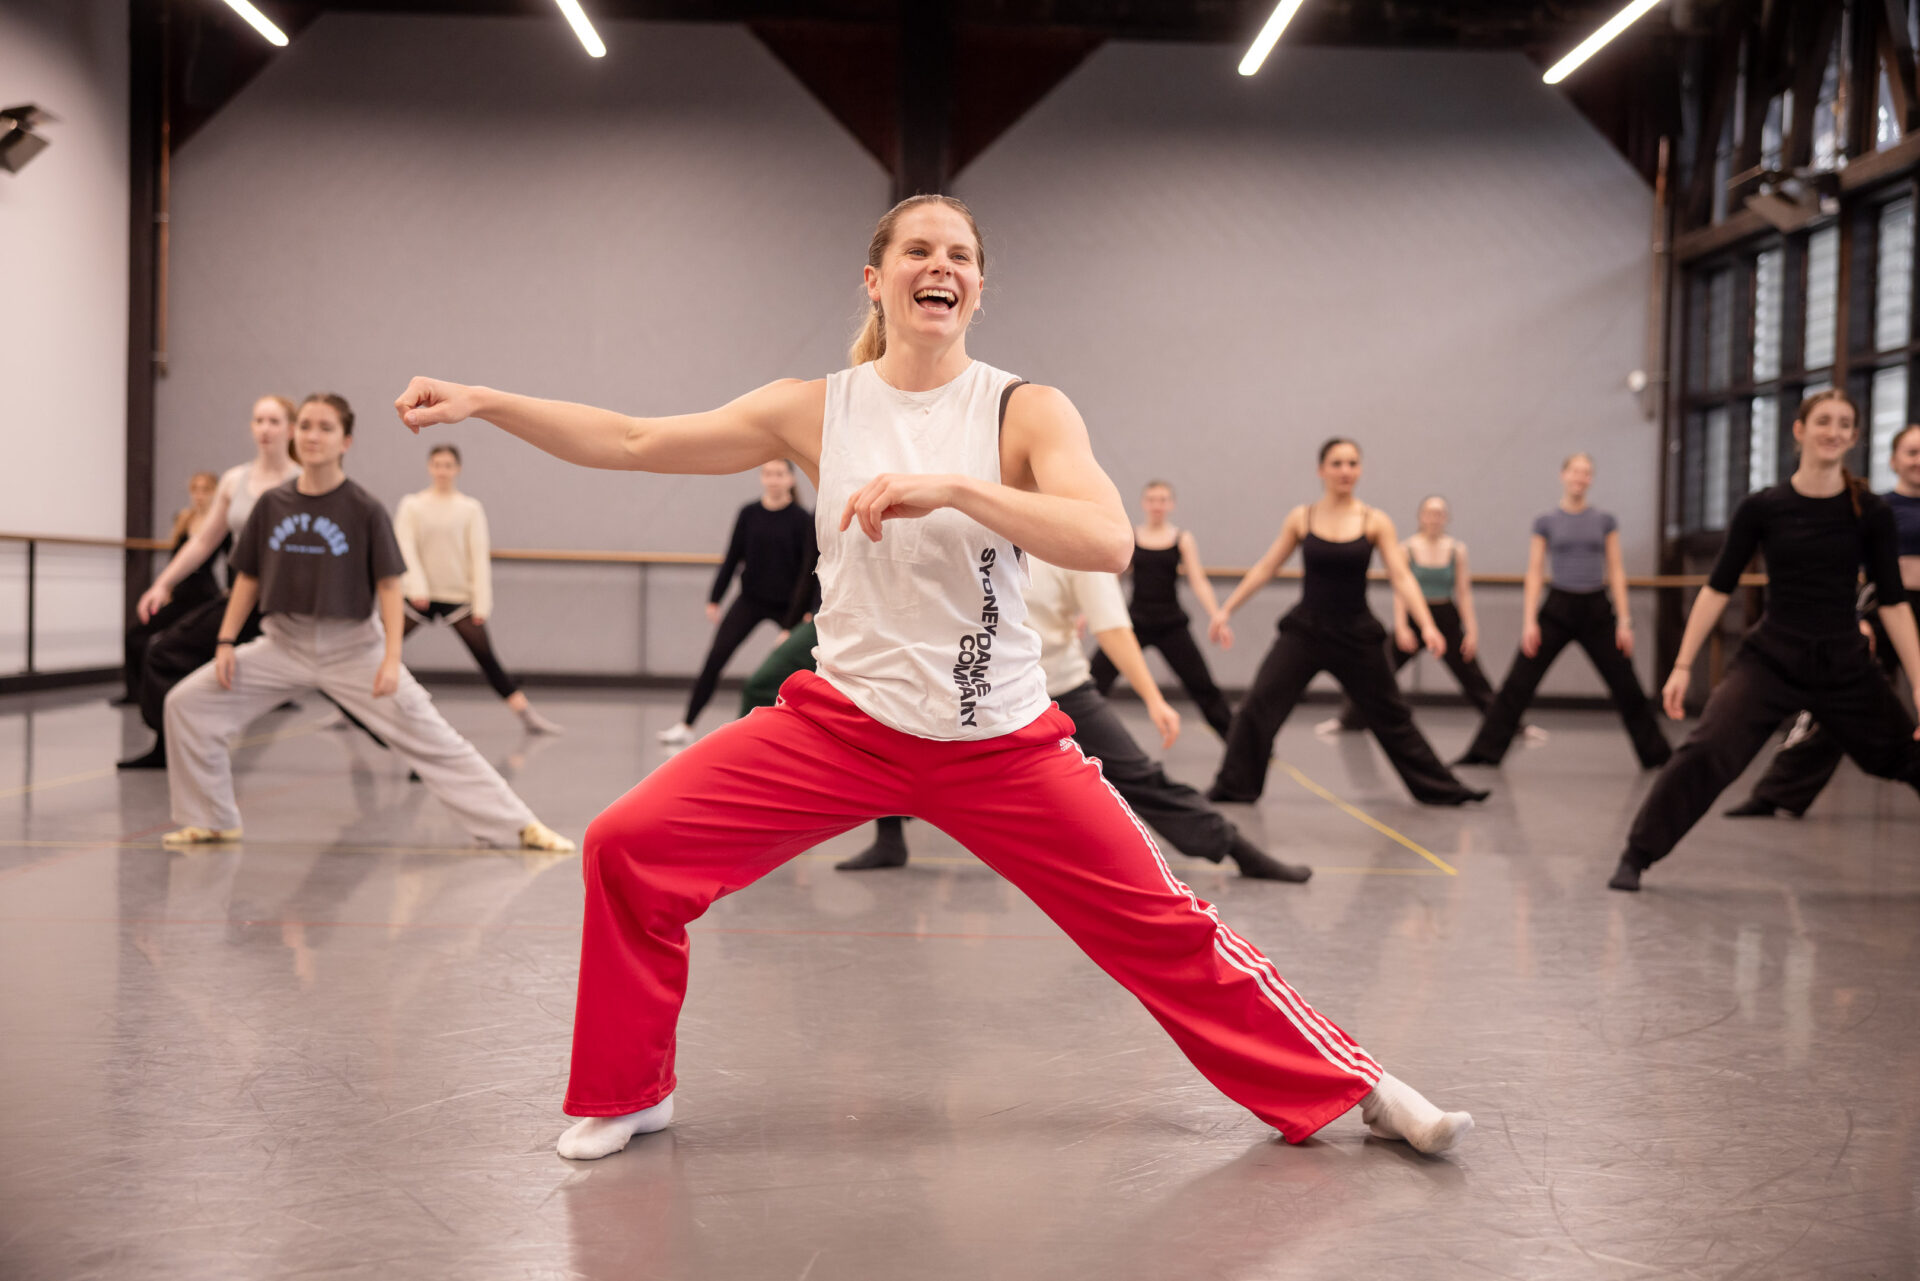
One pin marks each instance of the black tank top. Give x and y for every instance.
(1334, 575)
(1156, 579)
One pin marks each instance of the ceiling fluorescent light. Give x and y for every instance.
(577, 19)
(1269, 36)
(1598, 40)
(259, 22)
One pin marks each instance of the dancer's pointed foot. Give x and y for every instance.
(154, 757)
(1627, 875)
(889, 849)
(201, 836)
(1395, 1110)
(538, 724)
(674, 735)
(1752, 807)
(593, 1137)
(538, 836)
(1258, 865)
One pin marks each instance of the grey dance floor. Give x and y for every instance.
(338, 1051)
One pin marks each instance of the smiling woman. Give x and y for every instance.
(930, 702)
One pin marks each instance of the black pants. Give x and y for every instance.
(1473, 681)
(736, 624)
(472, 634)
(181, 650)
(1774, 676)
(1353, 651)
(1178, 812)
(1175, 642)
(194, 591)
(1800, 773)
(1565, 617)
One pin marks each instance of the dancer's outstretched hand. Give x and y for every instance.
(152, 601)
(1674, 697)
(1623, 640)
(1219, 631)
(224, 666)
(429, 402)
(387, 679)
(1436, 643)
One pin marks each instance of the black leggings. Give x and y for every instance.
(1473, 681)
(1798, 774)
(195, 591)
(1775, 675)
(1565, 617)
(179, 651)
(736, 624)
(1175, 643)
(472, 633)
(1353, 652)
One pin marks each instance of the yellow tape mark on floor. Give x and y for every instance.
(1369, 820)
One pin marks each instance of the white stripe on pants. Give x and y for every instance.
(339, 657)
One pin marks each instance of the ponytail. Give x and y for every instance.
(871, 342)
(1855, 488)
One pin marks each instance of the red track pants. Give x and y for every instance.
(747, 798)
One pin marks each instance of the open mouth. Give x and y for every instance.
(936, 299)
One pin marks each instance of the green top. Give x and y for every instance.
(1435, 583)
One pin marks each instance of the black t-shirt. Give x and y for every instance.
(318, 555)
(774, 546)
(1815, 549)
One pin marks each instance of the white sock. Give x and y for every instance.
(1395, 1110)
(593, 1137)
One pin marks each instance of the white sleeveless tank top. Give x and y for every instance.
(240, 496)
(926, 630)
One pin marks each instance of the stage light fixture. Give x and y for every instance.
(1269, 36)
(577, 19)
(259, 22)
(1598, 40)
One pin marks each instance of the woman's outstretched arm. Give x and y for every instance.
(779, 420)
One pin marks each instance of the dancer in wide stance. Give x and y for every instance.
(1587, 602)
(930, 701)
(316, 555)
(1162, 555)
(1817, 530)
(1801, 770)
(443, 536)
(1332, 630)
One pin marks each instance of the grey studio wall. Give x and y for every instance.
(63, 331)
(1428, 251)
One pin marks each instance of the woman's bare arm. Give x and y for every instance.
(779, 420)
(1197, 573)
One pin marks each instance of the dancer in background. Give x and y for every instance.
(1587, 603)
(1332, 630)
(772, 539)
(195, 589)
(1804, 767)
(934, 472)
(189, 643)
(1161, 555)
(1439, 564)
(1817, 531)
(443, 536)
(316, 557)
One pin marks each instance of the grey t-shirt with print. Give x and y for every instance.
(318, 555)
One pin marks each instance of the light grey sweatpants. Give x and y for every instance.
(339, 657)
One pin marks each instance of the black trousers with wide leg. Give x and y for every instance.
(1799, 773)
(1174, 639)
(1473, 682)
(1774, 676)
(1353, 651)
(1566, 617)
